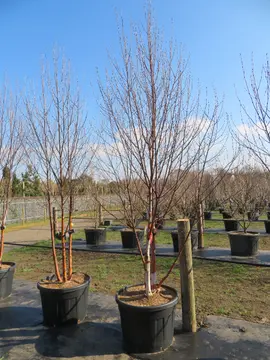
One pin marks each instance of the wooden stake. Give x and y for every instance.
(200, 227)
(54, 220)
(186, 276)
(100, 215)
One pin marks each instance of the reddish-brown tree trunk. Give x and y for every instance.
(55, 261)
(63, 241)
(70, 259)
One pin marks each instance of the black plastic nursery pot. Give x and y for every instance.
(252, 216)
(64, 305)
(194, 240)
(107, 222)
(244, 244)
(221, 210)
(207, 215)
(6, 279)
(231, 225)
(267, 226)
(226, 215)
(95, 236)
(160, 224)
(268, 215)
(129, 240)
(147, 329)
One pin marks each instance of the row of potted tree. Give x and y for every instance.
(158, 144)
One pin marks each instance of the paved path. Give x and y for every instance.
(99, 336)
(36, 233)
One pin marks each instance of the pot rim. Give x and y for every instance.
(147, 308)
(94, 229)
(64, 290)
(248, 233)
(130, 230)
(12, 266)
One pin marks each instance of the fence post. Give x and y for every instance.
(54, 220)
(200, 227)
(45, 213)
(186, 276)
(100, 214)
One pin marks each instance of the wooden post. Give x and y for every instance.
(186, 276)
(54, 220)
(200, 227)
(100, 215)
(45, 213)
(23, 207)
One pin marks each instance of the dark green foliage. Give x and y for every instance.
(32, 184)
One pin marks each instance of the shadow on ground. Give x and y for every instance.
(86, 339)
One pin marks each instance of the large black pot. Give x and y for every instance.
(147, 329)
(207, 215)
(95, 236)
(6, 279)
(231, 224)
(267, 226)
(194, 240)
(129, 240)
(253, 216)
(64, 306)
(226, 215)
(107, 222)
(160, 224)
(244, 244)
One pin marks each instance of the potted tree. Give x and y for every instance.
(244, 182)
(58, 148)
(131, 210)
(225, 196)
(185, 205)
(10, 155)
(96, 235)
(151, 142)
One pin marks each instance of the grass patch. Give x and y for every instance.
(234, 290)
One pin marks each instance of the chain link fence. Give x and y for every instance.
(25, 209)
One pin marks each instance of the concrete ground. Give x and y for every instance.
(36, 233)
(23, 337)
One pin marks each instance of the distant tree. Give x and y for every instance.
(32, 183)
(16, 186)
(10, 154)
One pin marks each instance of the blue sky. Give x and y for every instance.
(213, 32)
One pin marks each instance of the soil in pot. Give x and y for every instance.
(129, 238)
(231, 225)
(64, 303)
(194, 240)
(6, 279)
(147, 327)
(207, 215)
(95, 236)
(244, 244)
(267, 226)
(226, 215)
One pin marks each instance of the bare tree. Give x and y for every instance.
(10, 154)
(245, 194)
(155, 131)
(58, 145)
(254, 133)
